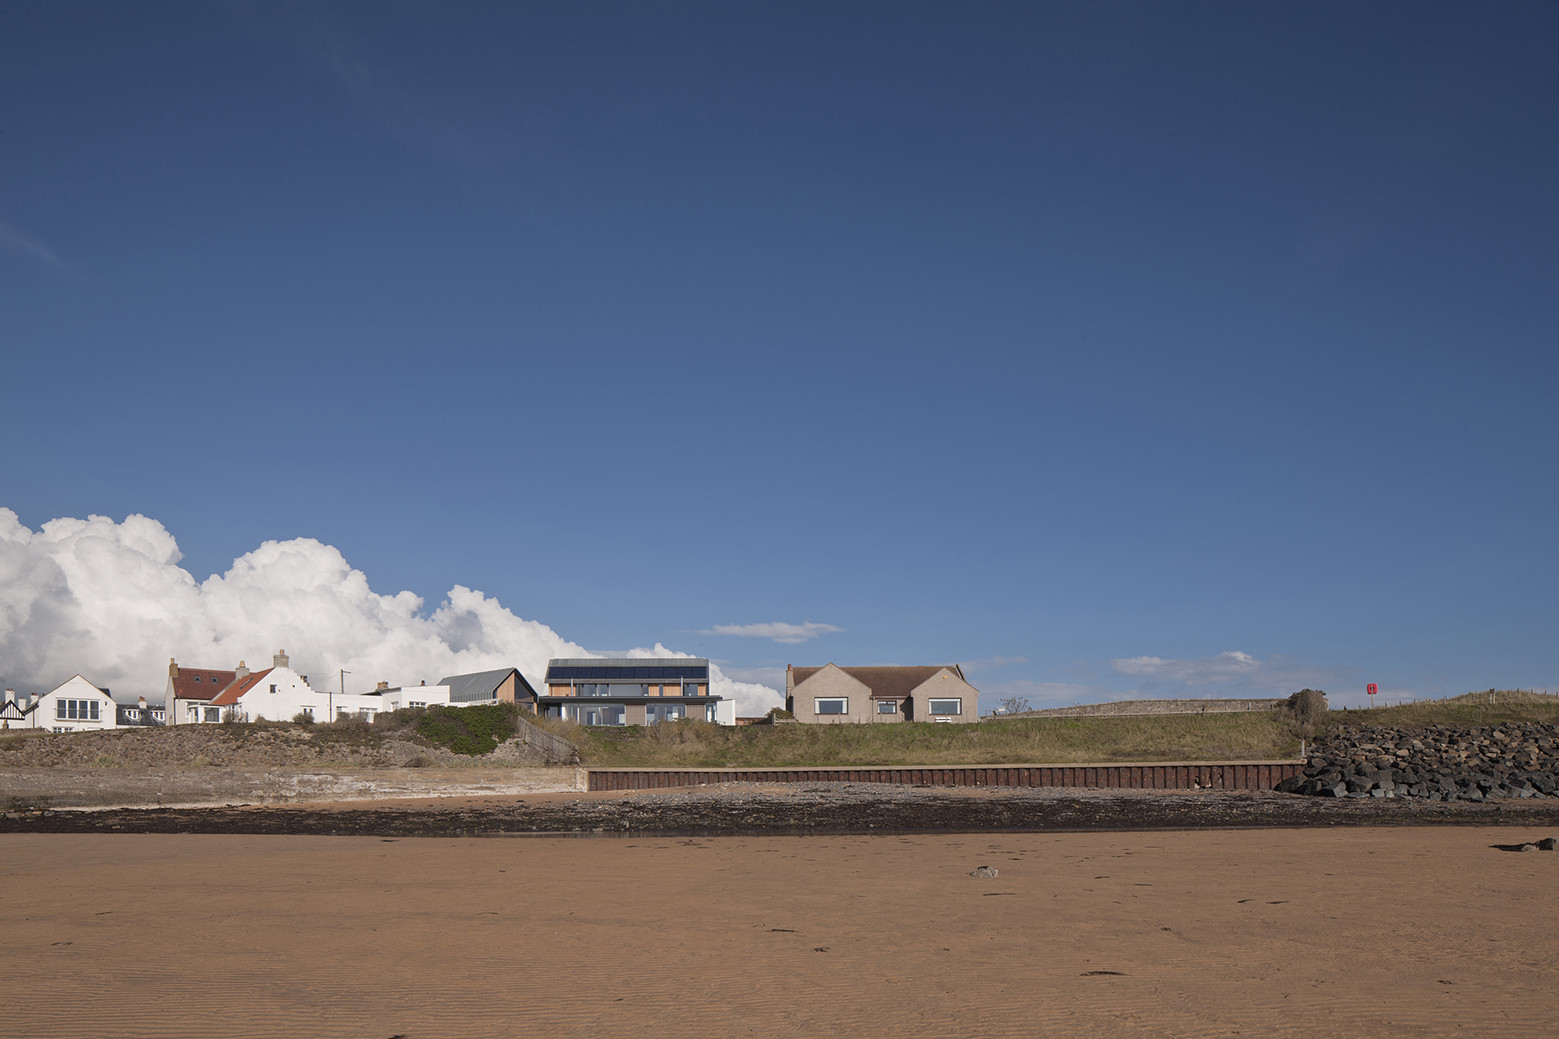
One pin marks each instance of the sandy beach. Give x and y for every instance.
(1401, 931)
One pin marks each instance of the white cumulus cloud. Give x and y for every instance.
(779, 631)
(1221, 668)
(1231, 673)
(109, 601)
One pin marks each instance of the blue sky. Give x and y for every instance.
(1111, 349)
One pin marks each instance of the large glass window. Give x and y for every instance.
(663, 712)
(887, 707)
(76, 710)
(944, 707)
(612, 689)
(832, 705)
(592, 714)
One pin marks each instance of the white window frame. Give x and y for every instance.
(934, 713)
(887, 707)
(842, 701)
(67, 710)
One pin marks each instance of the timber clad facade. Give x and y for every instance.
(629, 690)
(833, 694)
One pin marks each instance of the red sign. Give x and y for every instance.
(1371, 688)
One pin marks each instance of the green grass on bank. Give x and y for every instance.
(1485, 708)
(693, 744)
(477, 729)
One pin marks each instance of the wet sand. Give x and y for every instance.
(1399, 931)
(790, 810)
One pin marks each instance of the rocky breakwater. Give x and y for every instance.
(1439, 763)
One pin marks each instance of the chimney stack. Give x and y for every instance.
(381, 687)
(173, 668)
(10, 694)
(280, 659)
(241, 671)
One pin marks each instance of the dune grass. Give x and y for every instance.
(1253, 736)
(1483, 708)
(693, 744)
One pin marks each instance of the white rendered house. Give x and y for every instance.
(75, 706)
(280, 694)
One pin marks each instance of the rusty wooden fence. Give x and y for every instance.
(1243, 775)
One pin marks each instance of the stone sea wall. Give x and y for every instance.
(1438, 763)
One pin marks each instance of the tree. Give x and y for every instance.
(1302, 713)
(1013, 705)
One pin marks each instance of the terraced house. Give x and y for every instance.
(632, 691)
(925, 693)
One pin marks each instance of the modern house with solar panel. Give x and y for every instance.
(633, 691)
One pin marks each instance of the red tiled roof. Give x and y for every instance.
(194, 683)
(885, 683)
(231, 694)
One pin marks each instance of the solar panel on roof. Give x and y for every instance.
(597, 673)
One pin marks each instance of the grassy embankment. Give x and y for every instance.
(691, 744)
(477, 730)
(1469, 709)
(1256, 736)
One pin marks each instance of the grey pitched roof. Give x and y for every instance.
(483, 685)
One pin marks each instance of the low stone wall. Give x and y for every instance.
(1132, 708)
(1441, 763)
(537, 743)
(192, 786)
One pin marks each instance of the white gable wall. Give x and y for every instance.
(282, 694)
(69, 698)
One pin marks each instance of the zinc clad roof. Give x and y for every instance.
(885, 682)
(230, 695)
(483, 685)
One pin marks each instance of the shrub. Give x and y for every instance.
(1302, 712)
(1307, 706)
(303, 718)
(473, 730)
